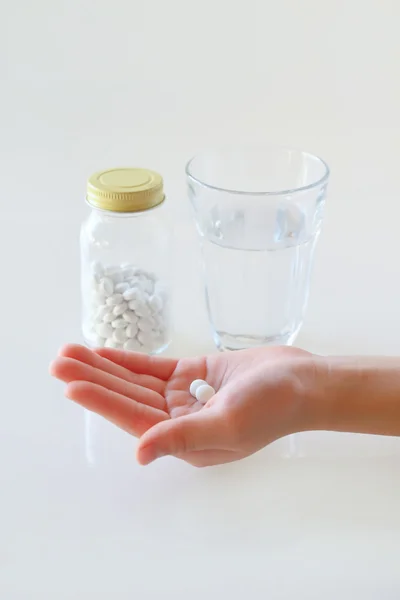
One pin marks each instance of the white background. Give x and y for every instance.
(87, 85)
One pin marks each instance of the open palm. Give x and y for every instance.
(149, 398)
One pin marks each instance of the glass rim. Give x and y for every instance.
(283, 192)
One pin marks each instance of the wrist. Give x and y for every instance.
(355, 394)
(333, 390)
(322, 394)
(312, 375)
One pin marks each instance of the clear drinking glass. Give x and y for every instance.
(259, 214)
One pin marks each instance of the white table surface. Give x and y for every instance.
(93, 84)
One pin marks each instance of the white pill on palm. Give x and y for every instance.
(194, 386)
(204, 393)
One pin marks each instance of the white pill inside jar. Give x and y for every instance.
(158, 322)
(120, 288)
(133, 282)
(108, 317)
(102, 310)
(120, 336)
(158, 336)
(98, 298)
(142, 310)
(97, 269)
(194, 386)
(118, 278)
(204, 393)
(146, 339)
(114, 300)
(155, 303)
(147, 286)
(120, 309)
(132, 345)
(130, 316)
(130, 294)
(104, 330)
(133, 304)
(119, 323)
(145, 324)
(110, 343)
(106, 286)
(127, 272)
(111, 270)
(131, 330)
(93, 284)
(97, 341)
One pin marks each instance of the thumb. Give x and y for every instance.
(203, 430)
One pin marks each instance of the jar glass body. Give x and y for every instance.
(124, 283)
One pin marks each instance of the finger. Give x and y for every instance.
(156, 366)
(89, 357)
(203, 430)
(69, 369)
(132, 417)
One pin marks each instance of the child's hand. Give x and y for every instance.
(262, 395)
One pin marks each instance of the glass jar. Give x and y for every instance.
(124, 262)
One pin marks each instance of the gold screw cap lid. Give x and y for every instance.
(125, 190)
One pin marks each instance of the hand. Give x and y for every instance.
(261, 396)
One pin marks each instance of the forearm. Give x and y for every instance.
(360, 395)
